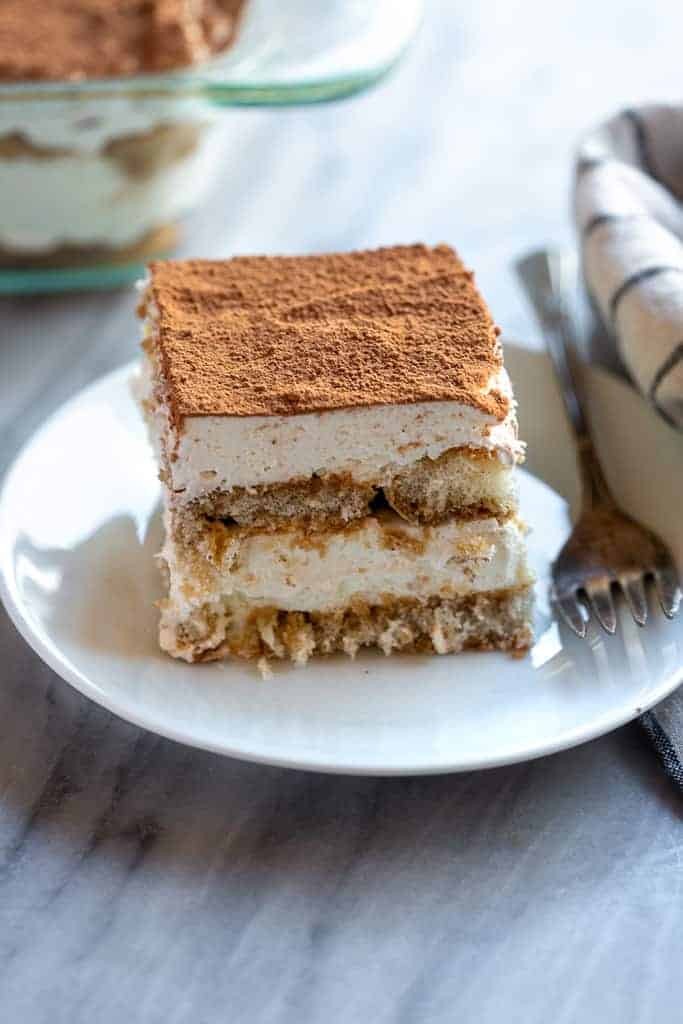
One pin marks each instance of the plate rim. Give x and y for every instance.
(64, 668)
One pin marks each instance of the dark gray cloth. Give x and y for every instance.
(664, 726)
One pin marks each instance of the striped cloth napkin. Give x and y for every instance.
(629, 211)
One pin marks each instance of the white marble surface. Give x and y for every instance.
(145, 882)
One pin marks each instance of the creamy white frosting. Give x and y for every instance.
(87, 123)
(369, 443)
(367, 562)
(84, 197)
(88, 199)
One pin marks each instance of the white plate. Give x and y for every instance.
(79, 527)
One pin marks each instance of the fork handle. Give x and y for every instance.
(547, 277)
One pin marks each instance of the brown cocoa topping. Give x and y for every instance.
(264, 336)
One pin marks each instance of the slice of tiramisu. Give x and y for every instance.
(337, 440)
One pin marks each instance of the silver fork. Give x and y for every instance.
(607, 549)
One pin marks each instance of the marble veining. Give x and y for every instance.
(142, 881)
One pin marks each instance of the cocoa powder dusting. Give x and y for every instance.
(75, 39)
(260, 336)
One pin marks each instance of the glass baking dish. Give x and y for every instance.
(96, 175)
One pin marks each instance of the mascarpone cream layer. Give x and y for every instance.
(367, 443)
(378, 558)
(88, 199)
(87, 123)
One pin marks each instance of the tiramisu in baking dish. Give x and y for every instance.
(94, 178)
(337, 441)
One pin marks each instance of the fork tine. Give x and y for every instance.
(570, 610)
(634, 592)
(668, 589)
(602, 606)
